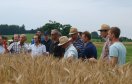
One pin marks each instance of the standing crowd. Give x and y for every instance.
(77, 46)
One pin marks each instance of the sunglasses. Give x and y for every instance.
(103, 30)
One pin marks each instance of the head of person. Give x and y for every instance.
(37, 39)
(73, 33)
(104, 30)
(16, 37)
(46, 35)
(55, 34)
(1, 40)
(64, 42)
(114, 33)
(39, 33)
(86, 36)
(5, 39)
(23, 38)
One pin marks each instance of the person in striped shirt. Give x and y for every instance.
(77, 41)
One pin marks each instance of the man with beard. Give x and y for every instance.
(117, 50)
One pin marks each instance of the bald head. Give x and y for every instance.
(16, 38)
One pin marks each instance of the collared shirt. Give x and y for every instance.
(118, 50)
(71, 51)
(79, 46)
(2, 49)
(17, 48)
(37, 50)
(105, 50)
(90, 51)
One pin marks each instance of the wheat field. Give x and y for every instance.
(23, 69)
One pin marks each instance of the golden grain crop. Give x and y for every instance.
(23, 69)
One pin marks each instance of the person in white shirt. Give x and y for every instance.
(70, 50)
(2, 49)
(37, 49)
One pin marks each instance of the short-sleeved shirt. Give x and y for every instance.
(71, 51)
(17, 48)
(90, 51)
(37, 50)
(118, 50)
(1, 49)
(78, 44)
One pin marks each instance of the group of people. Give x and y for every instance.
(77, 45)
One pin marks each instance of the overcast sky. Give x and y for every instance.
(83, 14)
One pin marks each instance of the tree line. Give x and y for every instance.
(63, 28)
(14, 29)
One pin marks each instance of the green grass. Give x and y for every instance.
(129, 52)
(29, 37)
(128, 45)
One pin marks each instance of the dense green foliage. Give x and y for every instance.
(14, 29)
(64, 29)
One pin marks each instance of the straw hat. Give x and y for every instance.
(104, 27)
(73, 31)
(63, 40)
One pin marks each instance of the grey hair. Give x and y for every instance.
(56, 32)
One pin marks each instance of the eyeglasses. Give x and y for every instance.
(103, 30)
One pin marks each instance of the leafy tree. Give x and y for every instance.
(94, 35)
(64, 29)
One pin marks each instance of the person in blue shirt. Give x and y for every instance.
(90, 50)
(117, 50)
(47, 41)
(76, 40)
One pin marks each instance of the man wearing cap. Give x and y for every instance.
(104, 34)
(70, 50)
(76, 40)
(47, 41)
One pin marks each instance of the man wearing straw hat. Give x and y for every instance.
(104, 34)
(70, 50)
(76, 40)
